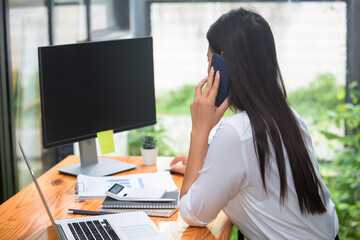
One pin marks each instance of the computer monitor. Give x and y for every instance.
(87, 88)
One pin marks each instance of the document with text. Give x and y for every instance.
(88, 187)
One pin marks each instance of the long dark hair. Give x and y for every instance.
(256, 86)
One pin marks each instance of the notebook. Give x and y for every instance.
(149, 212)
(116, 204)
(124, 226)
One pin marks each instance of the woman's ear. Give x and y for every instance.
(222, 53)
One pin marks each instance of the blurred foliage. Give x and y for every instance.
(157, 131)
(323, 102)
(344, 183)
(322, 95)
(178, 102)
(234, 233)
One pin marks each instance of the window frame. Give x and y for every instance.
(7, 127)
(139, 24)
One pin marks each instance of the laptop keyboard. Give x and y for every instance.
(93, 230)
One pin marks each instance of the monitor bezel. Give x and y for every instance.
(46, 144)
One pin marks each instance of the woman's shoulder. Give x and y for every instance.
(296, 114)
(241, 123)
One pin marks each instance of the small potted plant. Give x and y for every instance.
(149, 151)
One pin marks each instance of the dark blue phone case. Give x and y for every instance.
(218, 63)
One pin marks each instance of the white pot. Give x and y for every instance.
(149, 156)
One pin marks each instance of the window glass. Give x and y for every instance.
(310, 41)
(69, 23)
(102, 14)
(109, 19)
(28, 30)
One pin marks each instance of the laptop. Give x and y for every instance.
(124, 226)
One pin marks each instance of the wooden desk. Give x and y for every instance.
(23, 216)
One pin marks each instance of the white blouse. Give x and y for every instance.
(230, 180)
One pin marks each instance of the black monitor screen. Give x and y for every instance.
(92, 87)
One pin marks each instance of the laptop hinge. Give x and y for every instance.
(60, 231)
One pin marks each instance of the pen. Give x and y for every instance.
(87, 212)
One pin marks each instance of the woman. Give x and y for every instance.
(260, 167)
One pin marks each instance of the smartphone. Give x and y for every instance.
(120, 192)
(218, 63)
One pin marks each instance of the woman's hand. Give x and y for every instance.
(204, 114)
(176, 167)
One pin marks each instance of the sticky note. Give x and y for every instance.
(106, 141)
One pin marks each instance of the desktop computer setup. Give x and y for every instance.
(87, 88)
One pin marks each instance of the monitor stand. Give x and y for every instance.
(92, 166)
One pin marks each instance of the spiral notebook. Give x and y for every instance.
(116, 204)
(149, 212)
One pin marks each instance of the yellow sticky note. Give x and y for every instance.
(106, 141)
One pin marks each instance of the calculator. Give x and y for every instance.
(120, 192)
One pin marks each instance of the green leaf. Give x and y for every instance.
(332, 136)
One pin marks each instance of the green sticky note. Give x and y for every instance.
(106, 141)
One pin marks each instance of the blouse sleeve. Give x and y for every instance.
(220, 179)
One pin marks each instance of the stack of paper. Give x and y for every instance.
(88, 187)
(160, 209)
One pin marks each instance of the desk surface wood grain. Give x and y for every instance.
(24, 217)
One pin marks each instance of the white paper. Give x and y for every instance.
(89, 187)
